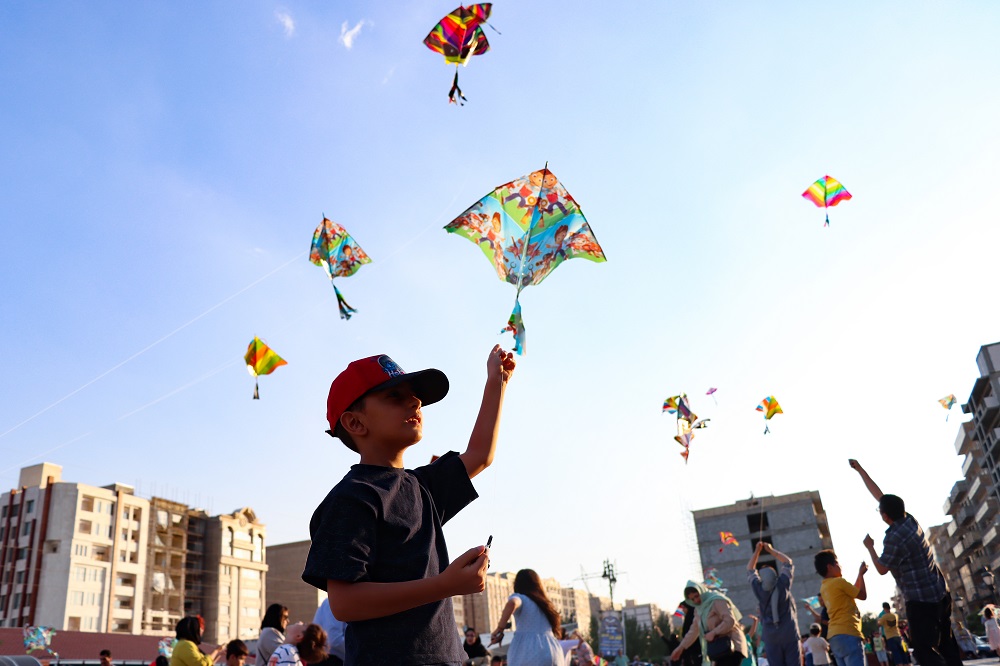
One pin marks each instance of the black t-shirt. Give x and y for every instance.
(383, 525)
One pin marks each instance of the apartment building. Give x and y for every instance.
(86, 558)
(795, 524)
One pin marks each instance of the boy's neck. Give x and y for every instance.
(382, 458)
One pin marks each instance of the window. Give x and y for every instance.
(757, 522)
(241, 554)
(86, 503)
(243, 536)
(93, 598)
(90, 623)
(99, 506)
(26, 530)
(80, 550)
(17, 600)
(22, 553)
(84, 527)
(251, 594)
(80, 573)
(227, 541)
(78, 598)
(227, 570)
(223, 632)
(252, 574)
(18, 577)
(3, 533)
(73, 624)
(223, 611)
(30, 507)
(3, 511)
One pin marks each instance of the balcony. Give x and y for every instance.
(975, 487)
(990, 535)
(952, 528)
(967, 464)
(964, 439)
(965, 515)
(987, 511)
(956, 496)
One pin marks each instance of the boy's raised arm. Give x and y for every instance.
(860, 582)
(353, 602)
(483, 441)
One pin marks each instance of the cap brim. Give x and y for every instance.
(429, 385)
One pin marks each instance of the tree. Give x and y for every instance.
(595, 635)
(869, 624)
(974, 622)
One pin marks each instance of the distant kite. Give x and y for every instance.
(39, 638)
(770, 407)
(727, 539)
(826, 192)
(261, 360)
(339, 255)
(948, 402)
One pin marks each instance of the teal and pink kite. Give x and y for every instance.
(525, 229)
(339, 255)
(826, 192)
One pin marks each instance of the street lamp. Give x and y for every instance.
(988, 581)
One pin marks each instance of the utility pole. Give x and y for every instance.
(611, 574)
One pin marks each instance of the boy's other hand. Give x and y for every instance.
(868, 541)
(500, 364)
(467, 573)
(855, 465)
(863, 569)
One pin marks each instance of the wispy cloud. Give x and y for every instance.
(348, 35)
(392, 70)
(286, 21)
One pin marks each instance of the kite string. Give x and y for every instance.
(151, 345)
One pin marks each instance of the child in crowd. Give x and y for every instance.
(378, 548)
(817, 646)
(844, 631)
(304, 643)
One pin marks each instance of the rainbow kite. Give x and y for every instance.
(712, 580)
(770, 407)
(727, 539)
(261, 360)
(340, 256)
(687, 421)
(601, 661)
(948, 402)
(826, 192)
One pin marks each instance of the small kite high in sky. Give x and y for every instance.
(526, 228)
(948, 402)
(339, 255)
(261, 360)
(770, 407)
(826, 192)
(727, 539)
(813, 602)
(458, 37)
(712, 580)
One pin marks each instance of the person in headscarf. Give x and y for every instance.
(778, 616)
(717, 620)
(186, 651)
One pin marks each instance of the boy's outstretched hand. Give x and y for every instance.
(500, 364)
(467, 573)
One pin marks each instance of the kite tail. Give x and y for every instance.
(256, 393)
(455, 94)
(345, 309)
(827, 223)
(766, 429)
(516, 326)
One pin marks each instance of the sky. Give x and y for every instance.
(164, 166)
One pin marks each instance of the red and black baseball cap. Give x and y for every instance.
(379, 372)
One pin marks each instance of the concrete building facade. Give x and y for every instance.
(85, 558)
(795, 524)
(285, 586)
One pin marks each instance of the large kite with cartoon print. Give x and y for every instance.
(526, 228)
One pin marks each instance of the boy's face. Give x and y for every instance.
(235, 660)
(834, 570)
(392, 416)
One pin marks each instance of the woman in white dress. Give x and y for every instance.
(536, 640)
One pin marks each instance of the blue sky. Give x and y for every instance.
(164, 167)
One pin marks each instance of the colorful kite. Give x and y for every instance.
(338, 254)
(770, 407)
(39, 638)
(261, 360)
(526, 228)
(601, 661)
(680, 611)
(727, 539)
(712, 580)
(813, 603)
(687, 421)
(826, 192)
(711, 391)
(948, 402)
(458, 37)
(165, 646)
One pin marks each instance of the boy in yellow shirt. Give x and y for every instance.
(844, 631)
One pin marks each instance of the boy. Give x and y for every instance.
(377, 543)
(844, 631)
(236, 653)
(817, 647)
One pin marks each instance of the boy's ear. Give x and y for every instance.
(354, 426)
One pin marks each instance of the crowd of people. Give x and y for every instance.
(378, 551)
